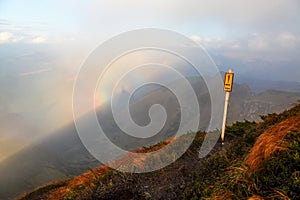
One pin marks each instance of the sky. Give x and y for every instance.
(249, 31)
(44, 43)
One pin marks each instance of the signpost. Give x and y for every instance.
(228, 82)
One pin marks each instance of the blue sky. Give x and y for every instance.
(43, 43)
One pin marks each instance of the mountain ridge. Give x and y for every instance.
(228, 172)
(63, 155)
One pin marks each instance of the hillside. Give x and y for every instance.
(258, 161)
(62, 155)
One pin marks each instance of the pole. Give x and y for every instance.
(225, 115)
(227, 96)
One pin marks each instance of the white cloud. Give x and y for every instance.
(39, 39)
(206, 41)
(258, 43)
(7, 37)
(283, 41)
(216, 43)
(287, 40)
(34, 72)
(11, 37)
(196, 38)
(236, 46)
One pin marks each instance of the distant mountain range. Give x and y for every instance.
(258, 85)
(62, 155)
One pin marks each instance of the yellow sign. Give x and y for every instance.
(228, 81)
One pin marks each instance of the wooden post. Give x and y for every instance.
(228, 82)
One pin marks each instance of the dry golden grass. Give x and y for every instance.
(140, 159)
(256, 197)
(269, 142)
(82, 180)
(86, 178)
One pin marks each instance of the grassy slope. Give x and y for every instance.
(268, 170)
(259, 160)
